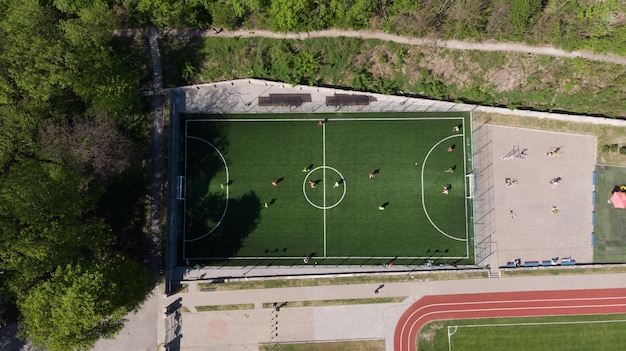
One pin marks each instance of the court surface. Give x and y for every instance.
(345, 188)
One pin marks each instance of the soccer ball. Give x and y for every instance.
(416, 163)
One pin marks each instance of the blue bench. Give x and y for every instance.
(546, 263)
(531, 264)
(510, 265)
(568, 263)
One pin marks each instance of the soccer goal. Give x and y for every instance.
(180, 188)
(471, 185)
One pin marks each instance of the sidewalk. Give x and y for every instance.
(223, 330)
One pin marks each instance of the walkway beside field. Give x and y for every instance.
(223, 330)
(368, 34)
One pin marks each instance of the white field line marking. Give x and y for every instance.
(185, 201)
(317, 119)
(324, 178)
(227, 181)
(330, 257)
(539, 323)
(408, 319)
(465, 180)
(423, 203)
(456, 327)
(507, 309)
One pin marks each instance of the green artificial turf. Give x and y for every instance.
(610, 228)
(576, 333)
(342, 223)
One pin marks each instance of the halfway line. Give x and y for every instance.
(324, 178)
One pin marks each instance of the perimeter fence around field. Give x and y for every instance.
(484, 205)
(174, 204)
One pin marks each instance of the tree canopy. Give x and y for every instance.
(570, 24)
(66, 96)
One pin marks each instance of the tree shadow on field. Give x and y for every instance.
(202, 160)
(241, 219)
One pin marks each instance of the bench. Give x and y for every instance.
(531, 264)
(284, 99)
(349, 100)
(568, 263)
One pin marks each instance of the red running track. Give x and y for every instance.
(508, 304)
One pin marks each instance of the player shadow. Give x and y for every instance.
(384, 205)
(376, 171)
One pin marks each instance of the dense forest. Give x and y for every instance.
(569, 24)
(73, 125)
(72, 183)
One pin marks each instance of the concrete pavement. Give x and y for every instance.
(224, 330)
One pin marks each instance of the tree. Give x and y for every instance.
(291, 15)
(306, 67)
(50, 55)
(92, 144)
(46, 220)
(522, 12)
(17, 132)
(80, 304)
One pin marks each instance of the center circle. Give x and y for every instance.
(305, 183)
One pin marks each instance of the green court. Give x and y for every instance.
(276, 189)
(576, 333)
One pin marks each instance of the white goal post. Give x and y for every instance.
(180, 188)
(471, 185)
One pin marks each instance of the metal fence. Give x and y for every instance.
(484, 206)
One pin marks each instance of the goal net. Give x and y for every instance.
(180, 188)
(471, 185)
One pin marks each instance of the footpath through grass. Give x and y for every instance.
(572, 333)
(514, 80)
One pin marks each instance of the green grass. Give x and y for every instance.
(608, 269)
(242, 306)
(610, 228)
(576, 333)
(354, 231)
(242, 284)
(341, 302)
(349, 345)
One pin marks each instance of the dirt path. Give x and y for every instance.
(512, 304)
(365, 34)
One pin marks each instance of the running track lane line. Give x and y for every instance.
(508, 304)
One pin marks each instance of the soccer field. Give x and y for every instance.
(280, 188)
(576, 333)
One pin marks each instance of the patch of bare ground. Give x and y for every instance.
(455, 67)
(378, 58)
(429, 331)
(512, 74)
